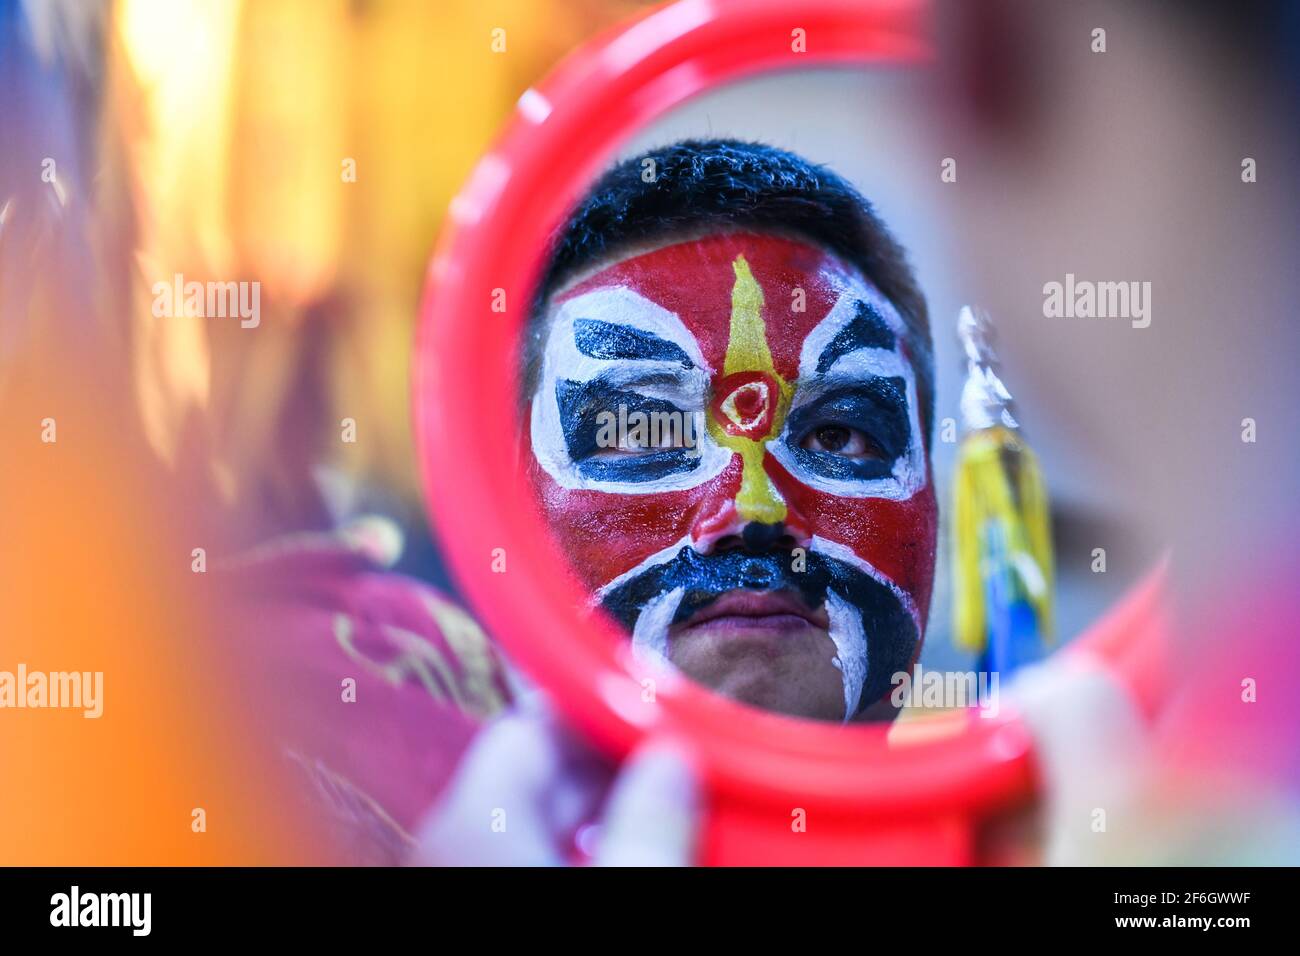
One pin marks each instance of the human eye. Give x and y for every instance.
(855, 432)
(649, 434)
(643, 428)
(843, 441)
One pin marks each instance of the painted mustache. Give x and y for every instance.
(879, 619)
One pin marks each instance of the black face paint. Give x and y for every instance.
(866, 330)
(581, 405)
(605, 340)
(888, 628)
(876, 407)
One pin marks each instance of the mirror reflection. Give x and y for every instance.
(729, 384)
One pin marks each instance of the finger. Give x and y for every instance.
(582, 778)
(1088, 741)
(652, 815)
(513, 801)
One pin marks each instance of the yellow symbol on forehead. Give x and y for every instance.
(747, 351)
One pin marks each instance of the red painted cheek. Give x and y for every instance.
(896, 537)
(605, 534)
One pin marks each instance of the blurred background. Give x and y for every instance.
(313, 146)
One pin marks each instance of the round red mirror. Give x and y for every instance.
(878, 795)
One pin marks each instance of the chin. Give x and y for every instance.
(778, 699)
(783, 671)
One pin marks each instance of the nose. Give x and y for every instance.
(725, 529)
(756, 538)
(765, 537)
(721, 523)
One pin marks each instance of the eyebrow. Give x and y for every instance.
(866, 330)
(611, 342)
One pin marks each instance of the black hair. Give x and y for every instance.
(699, 184)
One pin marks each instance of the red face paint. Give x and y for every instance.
(754, 312)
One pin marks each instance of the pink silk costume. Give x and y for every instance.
(319, 609)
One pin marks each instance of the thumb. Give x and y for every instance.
(1089, 741)
(653, 813)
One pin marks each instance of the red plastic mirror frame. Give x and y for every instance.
(869, 801)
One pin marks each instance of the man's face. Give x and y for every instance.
(726, 441)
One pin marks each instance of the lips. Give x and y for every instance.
(757, 609)
(876, 634)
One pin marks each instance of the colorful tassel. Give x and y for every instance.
(1002, 548)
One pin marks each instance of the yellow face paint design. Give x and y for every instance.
(752, 400)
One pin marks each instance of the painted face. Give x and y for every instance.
(726, 441)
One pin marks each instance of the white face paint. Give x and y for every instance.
(909, 472)
(846, 622)
(840, 552)
(564, 361)
(658, 558)
(850, 649)
(650, 636)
